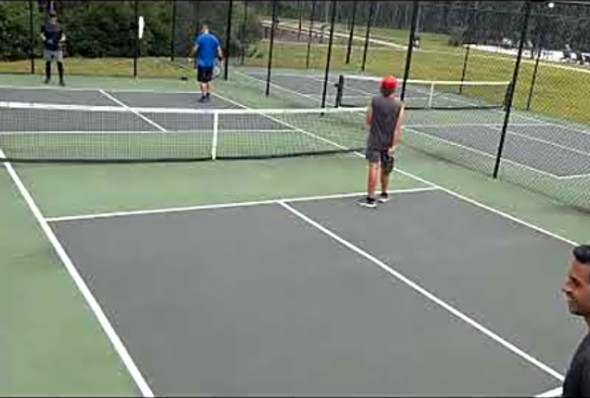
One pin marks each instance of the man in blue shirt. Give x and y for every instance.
(206, 50)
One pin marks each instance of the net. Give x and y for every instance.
(356, 91)
(57, 132)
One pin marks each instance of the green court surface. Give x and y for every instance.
(55, 344)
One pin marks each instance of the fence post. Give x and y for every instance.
(351, 32)
(243, 38)
(173, 34)
(310, 31)
(470, 35)
(367, 34)
(534, 77)
(523, 34)
(31, 38)
(272, 37)
(333, 18)
(136, 33)
(227, 40)
(415, 14)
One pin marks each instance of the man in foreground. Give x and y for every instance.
(577, 292)
(385, 117)
(53, 36)
(206, 51)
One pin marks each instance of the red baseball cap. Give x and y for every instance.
(389, 83)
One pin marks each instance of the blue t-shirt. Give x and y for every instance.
(207, 51)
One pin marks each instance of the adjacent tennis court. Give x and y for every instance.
(87, 125)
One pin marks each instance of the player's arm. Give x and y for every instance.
(219, 53)
(397, 131)
(369, 115)
(194, 50)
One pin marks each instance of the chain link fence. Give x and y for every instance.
(292, 54)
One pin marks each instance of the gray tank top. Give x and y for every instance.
(386, 112)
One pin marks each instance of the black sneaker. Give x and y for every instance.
(203, 99)
(62, 83)
(384, 198)
(368, 202)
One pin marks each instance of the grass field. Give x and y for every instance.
(559, 92)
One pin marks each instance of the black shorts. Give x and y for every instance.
(204, 73)
(375, 155)
(380, 156)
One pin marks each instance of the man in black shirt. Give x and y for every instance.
(577, 292)
(53, 36)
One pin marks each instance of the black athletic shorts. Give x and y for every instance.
(204, 73)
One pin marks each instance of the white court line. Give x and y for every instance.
(556, 392)
(550, 123)
(443, 125)
(141, 132)
(480, 152)
(81, 285)
(226, 205)
(574, 177)
(533, 138)
(156, 125)
(95, 89)
(278, 87)
(430, 296)
(456, 194)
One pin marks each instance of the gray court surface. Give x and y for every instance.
(551, 148)
(257, 301)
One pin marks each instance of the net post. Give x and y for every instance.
(272, 37)
(431, 95)
(367, 34)
(173, 31)
(215, 135)
(313, 3)
(327, 72)
(227, 40)
(464, 72)
(523, 33)
(415, 14)
(348, 50)
(339, 91)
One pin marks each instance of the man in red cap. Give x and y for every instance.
(385, 117)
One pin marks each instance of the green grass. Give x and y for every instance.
(560, 91)
(51, 343)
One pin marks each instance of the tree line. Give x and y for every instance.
(109, 28)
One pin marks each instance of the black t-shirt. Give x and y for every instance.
(53, 33)
(385, 112)
(577, 379)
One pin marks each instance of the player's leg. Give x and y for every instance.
(384, 196)
(202, 83)
(47, 58)
(372, 157)
(208, 76)
(60, 67)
